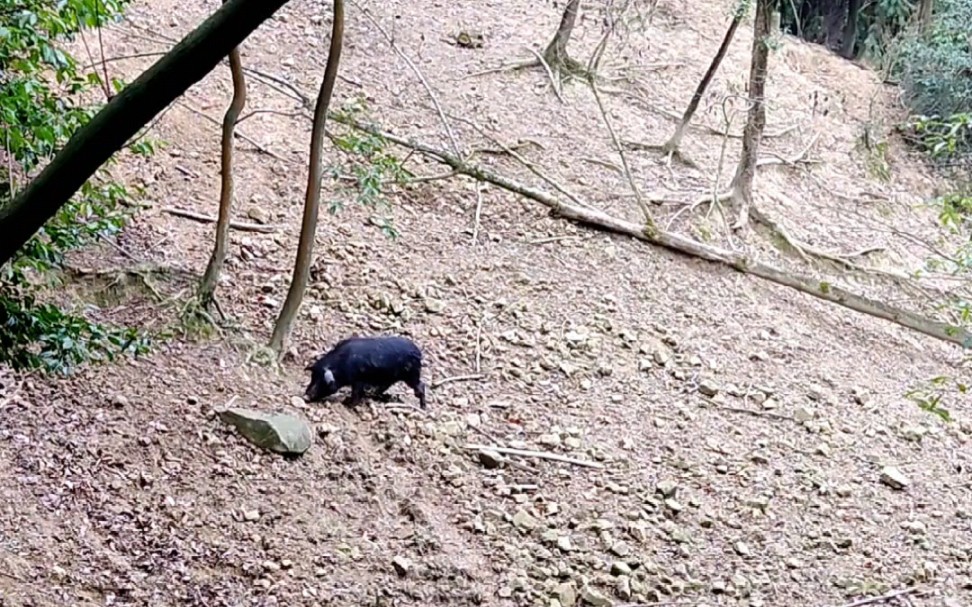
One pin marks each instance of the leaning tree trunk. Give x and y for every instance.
(93, 144)
(850, 30)
(207, 287)
(676, 140)
(742, 182)
(312, 201)
(556, 52)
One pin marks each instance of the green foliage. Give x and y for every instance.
(38, 81)
(372, 168)
(935, 72)
(931, 394)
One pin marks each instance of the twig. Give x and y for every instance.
(479, 210)
(624, 159)
(509, 67)
(259, 146)
(479, 345)
(418, 73)
(538, 455)
(755, 412)
(449, 380)
(236, 225)
(880, 599)
(550, 74)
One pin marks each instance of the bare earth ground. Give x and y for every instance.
(120, 487)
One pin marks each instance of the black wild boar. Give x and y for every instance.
(367, 362)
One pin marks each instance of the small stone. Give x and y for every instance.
(674, 505)
(572, 442)
(258, 214)
(564, 543)
(620, 568)
(623, 587)
(490, 459)
(119, 401)
(742, 548)
(708, 387)
(549, 440)
(566, 593)
(666, 488)
(251, 515)
(402, 565)
(594, 598)
(894, 478)
(803, 415)
(620, 549)
(434, 306)
(822, 449)
(524, 521)
(913, 433)
(843, 491)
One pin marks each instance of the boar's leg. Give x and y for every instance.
(414, 381)
(357, 393)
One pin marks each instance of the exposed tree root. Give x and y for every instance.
(738, 261)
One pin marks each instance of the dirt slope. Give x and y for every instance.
(121, 488)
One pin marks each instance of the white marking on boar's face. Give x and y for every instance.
(328, 377)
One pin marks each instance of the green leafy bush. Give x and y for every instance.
(37, 82)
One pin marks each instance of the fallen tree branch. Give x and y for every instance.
(537, 455)
(880, 599)
(449, 380)
(675, 242)
(236, 225)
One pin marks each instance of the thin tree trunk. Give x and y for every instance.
(850, 30)
(207, 287)
(308, 229)
(676, 140)
(742, 183)
(925, 11)
(556, 52)
(93, 144)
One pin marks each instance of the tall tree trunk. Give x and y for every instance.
(925, 10)
(556, 52)
(93, 144)
(742, 182)
(207, 287)
(676, 140)
(312, 201)
(850, 29)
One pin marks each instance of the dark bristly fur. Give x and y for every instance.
(367, 362)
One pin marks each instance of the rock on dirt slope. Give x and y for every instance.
(121, 486)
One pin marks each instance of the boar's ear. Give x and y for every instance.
(328, 376)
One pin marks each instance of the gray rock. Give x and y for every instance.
(402, 565)
(566, 593)
(490, 459)
(277, 432)
(894, 478)
(523, 520)
(594, 598)
(708, 387)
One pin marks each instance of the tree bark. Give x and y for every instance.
(742, 182)
(207, 287)
(850, 30)
(925, 10)
(556, 52)
(93, 144)
(308, 228)
(676, 139)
